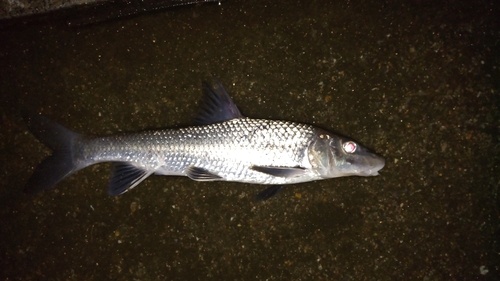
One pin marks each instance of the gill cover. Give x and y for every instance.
(320, 155)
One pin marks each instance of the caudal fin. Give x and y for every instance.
(61, 163)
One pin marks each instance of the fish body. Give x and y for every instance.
(225, 146)
(228, 149)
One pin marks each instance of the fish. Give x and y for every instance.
(223, 145)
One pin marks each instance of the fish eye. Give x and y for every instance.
(349, 146)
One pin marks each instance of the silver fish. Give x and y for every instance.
(224, 146)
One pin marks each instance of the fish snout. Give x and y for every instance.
(375, 164)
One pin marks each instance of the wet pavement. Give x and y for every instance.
(418, 83)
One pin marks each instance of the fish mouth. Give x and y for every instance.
(374, 164)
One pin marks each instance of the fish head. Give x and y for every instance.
(333, 156)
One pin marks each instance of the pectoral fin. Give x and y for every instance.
(124, 177)
(201, 174)
(282, 172)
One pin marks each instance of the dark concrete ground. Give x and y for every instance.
(416, 82)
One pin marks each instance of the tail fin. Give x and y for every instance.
(61, 163)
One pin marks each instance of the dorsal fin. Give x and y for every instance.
(217, 105)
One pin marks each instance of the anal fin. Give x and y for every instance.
(125, 176)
